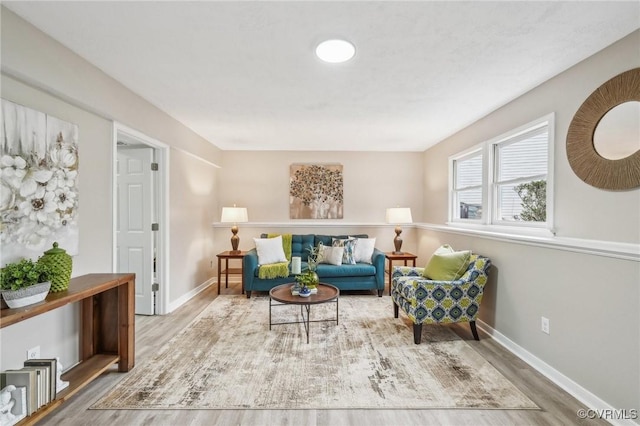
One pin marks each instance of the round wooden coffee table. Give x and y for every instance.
(282, 294)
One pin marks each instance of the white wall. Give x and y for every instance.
(42, 74)
(94, 186)
(592, 301)
(193, 200)
(579, 208)
(373, 181)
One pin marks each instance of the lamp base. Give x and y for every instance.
(397, 241)
(235, 251)
(235, 240)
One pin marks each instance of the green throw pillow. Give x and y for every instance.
(447, 264)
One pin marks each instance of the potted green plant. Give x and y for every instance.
(24, 282)
(309, 278)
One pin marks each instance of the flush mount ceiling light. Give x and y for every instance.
(335, 51)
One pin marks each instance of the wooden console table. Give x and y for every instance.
(107, 336)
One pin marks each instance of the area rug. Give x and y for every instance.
(227, 358)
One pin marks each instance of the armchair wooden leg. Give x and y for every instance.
(417, 333)
(248, 294)
(380, 293)
(395, 310)
(474, 330)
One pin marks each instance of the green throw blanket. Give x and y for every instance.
(277, 270)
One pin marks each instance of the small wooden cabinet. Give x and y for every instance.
(107, 333)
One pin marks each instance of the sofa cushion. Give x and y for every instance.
(447, 264)
(328, 239)
(324, 239)
(357, 270)
(286, 243)
(330, 255)
(270, 250)
(364, 249)
(300, 245)
(349, 246)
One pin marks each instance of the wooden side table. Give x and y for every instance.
(404, 256)
(226, 255)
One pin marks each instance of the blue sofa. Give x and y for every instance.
(361, 276)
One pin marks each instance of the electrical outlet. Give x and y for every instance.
(544, 324)
(33, 352)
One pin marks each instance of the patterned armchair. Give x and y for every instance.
(433, 302)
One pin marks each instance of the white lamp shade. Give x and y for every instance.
(399, 215)
(234, 215)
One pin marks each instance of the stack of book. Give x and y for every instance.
(36, 381)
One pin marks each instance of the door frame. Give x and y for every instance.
(161, 151)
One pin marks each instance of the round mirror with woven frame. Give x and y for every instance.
(587, 164)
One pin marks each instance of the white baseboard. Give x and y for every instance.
(190, 295)
(590, 400)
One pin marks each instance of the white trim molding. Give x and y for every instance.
(196, 157)
(163, 215)
(574, 389)
(617, 250)
(533, 237)
(310, 224)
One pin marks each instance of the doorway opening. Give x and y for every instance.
(140, 212)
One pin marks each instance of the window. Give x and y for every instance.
(468, 186)
(520, 179)
(505, 181)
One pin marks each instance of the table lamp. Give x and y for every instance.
(234, 215)
(398, 215)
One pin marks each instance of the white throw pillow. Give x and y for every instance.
(364, 250)
(270, 250)
(330, 255)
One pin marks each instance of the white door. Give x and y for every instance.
(133, 223)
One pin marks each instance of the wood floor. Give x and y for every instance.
(557, 407)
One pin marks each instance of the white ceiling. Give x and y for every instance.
(243, 75)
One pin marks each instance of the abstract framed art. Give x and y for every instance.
(316, 191)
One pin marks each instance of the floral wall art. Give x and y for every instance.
(38, 183)
(316, 191)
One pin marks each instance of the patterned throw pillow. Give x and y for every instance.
(349, 249)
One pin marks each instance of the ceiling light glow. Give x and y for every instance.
(335, 51)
